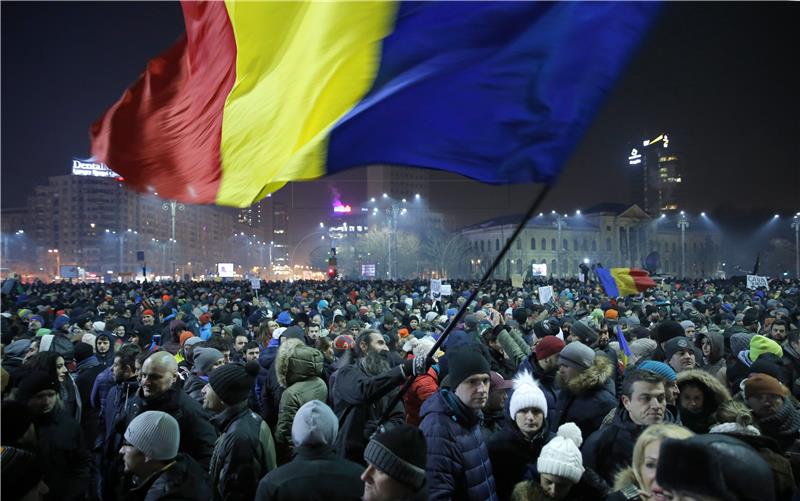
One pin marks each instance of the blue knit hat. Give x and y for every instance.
(284, 318)
(659, 368)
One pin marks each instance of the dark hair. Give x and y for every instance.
(127, 355)
(219, 343)
(363, 337)
(779, 321)
(44, 361)
(637, 375)
(250, 345)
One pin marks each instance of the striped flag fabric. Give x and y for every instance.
(258, 94)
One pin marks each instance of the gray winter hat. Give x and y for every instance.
(314, 424)
(156, 434)
(205, 358)
(577, 355)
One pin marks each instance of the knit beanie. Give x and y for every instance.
(526, 394)
(423, 346)
(314, 424)
(549, 345)
(294, 332)
(676, 344)
(686, 324)
(561, 456)
(99, 326)
(667, 330)
(193, 340)
(344, 342)
(232, 382)
(33, 381)
(60, 322)
(36, 317)
(758, 384)
(205, 358)
(401, 453)
(83, 351)
(546, 327)
(740, 342)
(156, 434)
(284, 318)
(185, 335)
(772, 365)
(21, 470)
(659, 368)
(464, 363)
(761, 344)
(577, 355)
(643, 348)
(611, 314)
(89, 339)
(586, 334)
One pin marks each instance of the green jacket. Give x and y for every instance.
(298, 368)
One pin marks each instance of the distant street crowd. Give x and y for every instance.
(341, 390)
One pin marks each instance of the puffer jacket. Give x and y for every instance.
(421, 389)
(458, 459)
(715, 394)
(243, 453)
(298, 368)
(181, 480)
(510, 451)
(587, 398)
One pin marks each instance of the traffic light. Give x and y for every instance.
(332, 265)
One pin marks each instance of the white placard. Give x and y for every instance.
(255, 283)
(755, 281)
(516, 280)
(436, 287)
(545, 294)
(446, 290)
(225, 270)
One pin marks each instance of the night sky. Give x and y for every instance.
(720, 78)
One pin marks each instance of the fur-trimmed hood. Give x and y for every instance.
(592, 378)
(703, 378)
(297, 362)
(529, 490)
(625, 478)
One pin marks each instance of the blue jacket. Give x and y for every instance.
(458, 459)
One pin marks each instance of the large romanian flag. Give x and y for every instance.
(621, 282)
(257, 94)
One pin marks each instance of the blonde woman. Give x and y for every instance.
(638, 481)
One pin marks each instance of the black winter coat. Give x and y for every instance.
(359, 402)
(197, 434)
(510, 453)
(458, 459)
(244, 453)
(271, 390)
(315, 474)
(586, 399)
(62, 454)
(182, 480)
(194, 387)
(610, 449)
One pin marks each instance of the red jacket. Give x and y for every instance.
(422, 388)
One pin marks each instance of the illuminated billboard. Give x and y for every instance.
(225, 270)
(93, 169)
(539, 270)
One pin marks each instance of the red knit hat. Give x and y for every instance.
(611, 314)
(549, 345)
(185, 335)
(344, 342)
(148, 312)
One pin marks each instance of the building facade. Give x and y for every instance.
(614, 235)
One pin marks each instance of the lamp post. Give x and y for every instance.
(393, 210)
(559, 223)
(172, 206)
(683, 224)
(796, 227)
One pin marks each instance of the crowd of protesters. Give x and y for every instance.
(213, 390)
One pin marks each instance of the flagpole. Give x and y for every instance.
(473, 294)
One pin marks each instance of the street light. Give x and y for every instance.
(683, 224)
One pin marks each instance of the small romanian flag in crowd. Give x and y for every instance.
(257, 94)
(620, 282)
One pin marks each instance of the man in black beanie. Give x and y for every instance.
(458, 459)
(396, 462)
(662, 333)
(245, 451)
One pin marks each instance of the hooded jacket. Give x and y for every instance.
(510, 452)
(178, 481)
(458, 459)
(243, 453)
(298, 368)
(107, 358)
(714, 392)
(587, 398)
(421, 389)
(716, 359)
